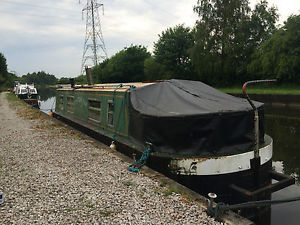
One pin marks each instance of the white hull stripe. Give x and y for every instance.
(219, 165)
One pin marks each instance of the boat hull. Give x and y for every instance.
(221, 184)
(215, 179)
(33, 102)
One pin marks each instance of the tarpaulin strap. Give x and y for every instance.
(134, 167)
(131, 87)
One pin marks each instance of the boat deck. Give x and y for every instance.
(109, 87)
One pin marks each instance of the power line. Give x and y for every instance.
(41, 16)
(35, 6)
(160, 9)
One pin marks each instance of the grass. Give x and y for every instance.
(106, 213)
(128, 183)
(156, 191)
(27, 112)
(4, 88)
(24, 110)
(187, 197)
(13, 99)
(170, 191)
(265, 89)
(69, 209)
(94, 154)
(90, 205)
(162, 184)
(50, 126)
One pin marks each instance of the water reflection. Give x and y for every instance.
(46, 93)
(283, 124)
(285, 132)
(47, 99)
(283, 110)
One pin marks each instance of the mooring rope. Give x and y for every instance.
(134, 167)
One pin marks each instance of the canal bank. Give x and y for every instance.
(53, 174)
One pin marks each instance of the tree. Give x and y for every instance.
(125, 66)
(263, 21)
(171, 51)
(63, 80)
(226, 35)
(3, 69)
(155, 71)
(279, 57)
(11, 77)
(81, 79)
(39, 78)
(98, 71)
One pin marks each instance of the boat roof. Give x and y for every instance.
(109, 87)
(179, 98)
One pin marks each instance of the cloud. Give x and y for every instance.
(49, 35)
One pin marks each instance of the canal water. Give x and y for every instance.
(283, 125)
(47, 99)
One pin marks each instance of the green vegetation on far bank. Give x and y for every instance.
(265, 89)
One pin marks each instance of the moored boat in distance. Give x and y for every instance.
(26, 92)
(196, 134)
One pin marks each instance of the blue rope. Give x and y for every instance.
(134, 167)
(1, 198)
(131, 87)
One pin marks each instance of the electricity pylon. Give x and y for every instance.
(94, 48)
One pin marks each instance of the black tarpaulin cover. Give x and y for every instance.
(190, 118)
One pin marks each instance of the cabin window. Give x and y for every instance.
(32, 91)
(94, 110)
(110, 113)
(70, 104)
(61, 103)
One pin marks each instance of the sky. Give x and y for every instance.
(49, 35)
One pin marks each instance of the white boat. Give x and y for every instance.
(27, 92)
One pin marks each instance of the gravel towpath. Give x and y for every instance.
(51, 174)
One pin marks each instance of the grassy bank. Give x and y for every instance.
(3, 89)
(265, 89)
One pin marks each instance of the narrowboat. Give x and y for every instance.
(196, 134)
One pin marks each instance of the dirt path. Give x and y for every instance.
(53, 175)
(9, 122)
